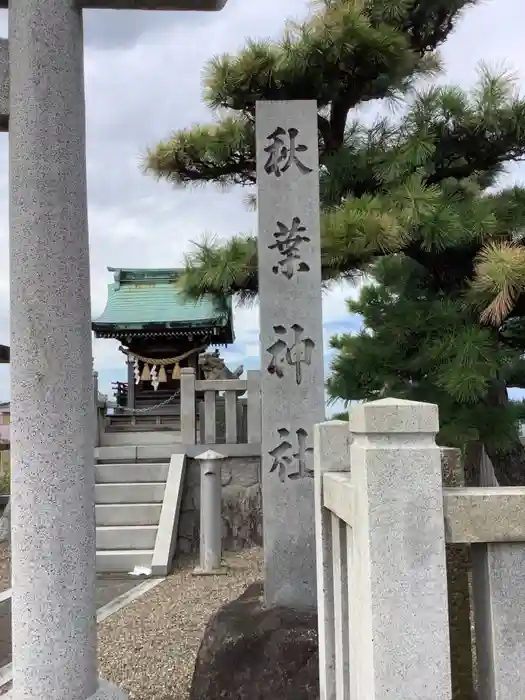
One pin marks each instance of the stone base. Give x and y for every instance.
(252, 653)
(106, 691)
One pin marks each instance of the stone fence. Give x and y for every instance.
(223, 416)
(384, 527)
(228, 422)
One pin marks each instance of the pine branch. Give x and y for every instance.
(223, 153)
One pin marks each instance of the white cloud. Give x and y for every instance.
(143, 80)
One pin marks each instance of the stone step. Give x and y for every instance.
(131, 453)
(122, 561)
(127, 436)
(127, 514)
(138, 492)
(121, 537)
(131, 472)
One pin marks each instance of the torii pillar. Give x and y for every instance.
(53, 523)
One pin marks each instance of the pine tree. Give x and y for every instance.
(416, 187)
(426, 346)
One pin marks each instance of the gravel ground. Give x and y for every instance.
(5, 567)
(149, 647)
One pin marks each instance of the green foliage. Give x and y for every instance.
(222, 153)
(423, 346)
(347, 52)
(416, 185)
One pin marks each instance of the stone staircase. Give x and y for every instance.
(130, 486)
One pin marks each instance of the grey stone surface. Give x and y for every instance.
(498, 584)
(166, 539)
(239, 450)
(187, 398)
(291, 336)
(458, 569)
(241, 507)
(498, 587)
(210, 419)
(210, 549)
(331, 454)
(131, 382)
(53, 527)
(104, 691)
(489, 514)
(399, 636)
(230, 400)
(253, 380)
(4, 84)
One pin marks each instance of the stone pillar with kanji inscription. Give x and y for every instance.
(291, 335)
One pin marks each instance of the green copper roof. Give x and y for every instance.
(141, 298)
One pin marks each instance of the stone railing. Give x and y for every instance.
(223, 416)
(384, 522)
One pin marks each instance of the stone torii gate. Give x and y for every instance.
(53, 523)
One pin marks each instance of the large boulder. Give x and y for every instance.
(252, 653)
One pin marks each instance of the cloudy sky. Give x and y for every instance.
(143, 80)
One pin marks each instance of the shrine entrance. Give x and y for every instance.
(161, 332)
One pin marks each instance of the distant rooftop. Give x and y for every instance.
(149, 302)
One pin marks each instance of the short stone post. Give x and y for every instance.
(187, 405)
(210, 515)
(399, 630)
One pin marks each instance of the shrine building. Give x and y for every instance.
(160, 331)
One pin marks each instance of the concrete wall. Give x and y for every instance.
(241, 505)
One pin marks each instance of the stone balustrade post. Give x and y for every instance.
(96, 411)
(399, 628)
(210, 513)
(253, 385)
(498, 587)
(187, 406)
(332, 441)
(131, 383)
